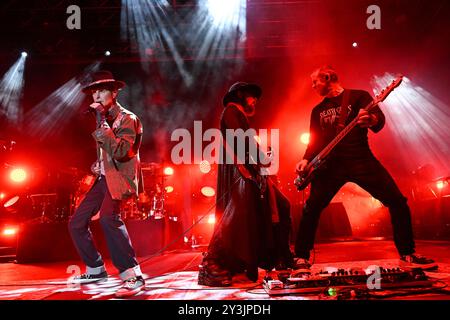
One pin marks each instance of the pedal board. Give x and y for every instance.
(304, 282)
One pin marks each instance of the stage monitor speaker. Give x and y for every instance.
(431, 218)
(45, 242)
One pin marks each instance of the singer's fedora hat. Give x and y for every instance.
(101, 78)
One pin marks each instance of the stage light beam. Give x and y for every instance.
(11, 86)
(51, 115)
(420, 124)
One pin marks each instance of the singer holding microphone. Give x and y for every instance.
(118, 137)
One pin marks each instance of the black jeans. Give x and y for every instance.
(119, 245)
(369, 174)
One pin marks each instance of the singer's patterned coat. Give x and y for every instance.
(120, 148)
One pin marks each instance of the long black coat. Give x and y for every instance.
(243, 237)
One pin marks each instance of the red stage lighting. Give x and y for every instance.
(10, 231)
(212, 219)
(208, 192)
(205, 167)
(168, 171)
(440, 185)
(18, 175)
(304, 138)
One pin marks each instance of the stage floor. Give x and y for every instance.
(173, 275)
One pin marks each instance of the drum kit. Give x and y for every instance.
(51, 195)
(150, 203)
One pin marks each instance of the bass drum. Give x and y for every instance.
(84, 185)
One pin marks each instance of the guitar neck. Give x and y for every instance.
(341, 135)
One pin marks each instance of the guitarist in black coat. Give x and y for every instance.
(252, 215)
(350, 161)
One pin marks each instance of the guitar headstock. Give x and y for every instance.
(386, 91)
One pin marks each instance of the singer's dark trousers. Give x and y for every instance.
(119, 245)
(369, 174)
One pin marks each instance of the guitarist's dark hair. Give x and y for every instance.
(327, 73)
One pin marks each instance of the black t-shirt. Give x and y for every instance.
(323, 126)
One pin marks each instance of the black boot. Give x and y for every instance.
(212, 274)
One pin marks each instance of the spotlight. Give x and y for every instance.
(24, 54)
(169, 189)
(208, 192)
(355, 44)
(2, 196)
(211, 219)
(107, 53)
(225, 11)
(168, 171)
(440, 185)
(304, 138)
(10, 231)
(18, 175)
(205, 167)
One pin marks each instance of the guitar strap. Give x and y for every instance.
(344, 111)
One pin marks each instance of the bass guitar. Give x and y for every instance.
(303, 179)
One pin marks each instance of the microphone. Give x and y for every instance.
(91, 109)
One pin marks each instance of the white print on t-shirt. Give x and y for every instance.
(329, 116)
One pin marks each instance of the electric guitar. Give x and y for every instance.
(303, 179)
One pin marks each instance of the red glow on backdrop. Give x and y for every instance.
(18, 175)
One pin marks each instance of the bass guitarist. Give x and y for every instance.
(350, 161)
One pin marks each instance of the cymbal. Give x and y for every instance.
(43, 195)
